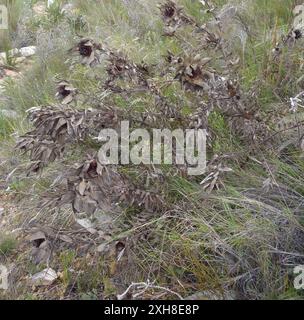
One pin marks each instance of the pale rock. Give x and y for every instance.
(27, 51)
(44, 278)
(23, 52)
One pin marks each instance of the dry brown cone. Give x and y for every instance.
(173, 17)
(194, 75)
(119, 65)
(65, 92)
(89, 50)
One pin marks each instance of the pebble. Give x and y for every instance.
(23, 52)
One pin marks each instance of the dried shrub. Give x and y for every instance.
(209, 76)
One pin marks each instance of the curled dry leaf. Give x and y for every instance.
(86, 224)
(120, 250)
(37, 238)
(90, 51)
(65, 92)
(42, 253)
(41, 247)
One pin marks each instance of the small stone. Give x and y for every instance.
(27, 51)
(44, 278)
